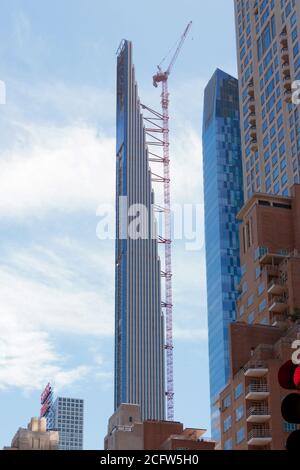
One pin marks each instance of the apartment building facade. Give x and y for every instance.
(251, 403)
(270, 259)
(268, 53)
(268, 315)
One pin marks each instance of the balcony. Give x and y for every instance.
(288, 96)
(257, 391)
(250, 88)
(276, 287)
(279, 319)
(287, 82)
(251, 104)
(286, 68)
(259, 437)
(256, 369)
(283, 38)
(268, 257)
(278, 304)
(284, 54)
(258, 414)
(253, 132)
(252, 118)
(271, 270)
(253, 145)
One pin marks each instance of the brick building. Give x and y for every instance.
(270, 259)
(127, 431)
(268, 309)
(250, 405)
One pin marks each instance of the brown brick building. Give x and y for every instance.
(127, 431)
(251, 404)
(270, 259)
(268, 322)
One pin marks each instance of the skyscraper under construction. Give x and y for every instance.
(139, 337)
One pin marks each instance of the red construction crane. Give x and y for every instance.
(162, 77)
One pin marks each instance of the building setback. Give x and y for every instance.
(139, 338)
(223, 198)
(268, 50)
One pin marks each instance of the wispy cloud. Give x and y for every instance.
(42, 296)
(62, 169)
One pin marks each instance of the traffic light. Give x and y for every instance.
(289, 379)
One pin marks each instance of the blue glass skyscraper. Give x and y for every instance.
(223, 198)
(139, 332)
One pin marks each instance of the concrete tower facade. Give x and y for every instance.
(139, 338)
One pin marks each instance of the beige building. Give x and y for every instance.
(268, 52)
(35, 437)
(127, 431)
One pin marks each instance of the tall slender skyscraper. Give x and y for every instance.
(139, 337)
(223, 192)
(267, 33)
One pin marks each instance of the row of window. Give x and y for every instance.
(240, 435)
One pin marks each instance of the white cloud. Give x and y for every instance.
(62, 169)
(68, 169)
(28, 358)
(61, 306)
(42, 296)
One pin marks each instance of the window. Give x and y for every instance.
(251, 318)
(262, 305)
(257, 272)
(250, 300)
(239, 412)
(261, 288)
(240, 435)
(238, 391)
(226, 402)
(228, 444)
(227, 424)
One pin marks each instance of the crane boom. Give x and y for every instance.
(183, 37)
(161, 76)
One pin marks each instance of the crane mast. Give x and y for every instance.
(162, 77)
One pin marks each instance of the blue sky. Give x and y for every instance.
(57, 165)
